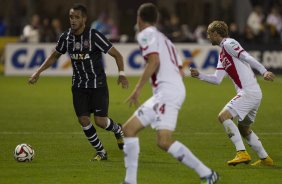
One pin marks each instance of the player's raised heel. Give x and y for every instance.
(241, 157)
(119, 137)
(100, 155)
(263, 162)
(211, 179)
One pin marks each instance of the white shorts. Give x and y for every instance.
(244, 104)
(161, 110)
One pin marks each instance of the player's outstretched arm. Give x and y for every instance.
(151, 66)
(269, 76)
(215, 78)
(47, 63)
(119, 60)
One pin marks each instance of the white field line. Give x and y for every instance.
(217, 133)
(78, 133)
(40, 133)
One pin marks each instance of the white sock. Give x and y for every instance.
(234, 135)
(256, 145)
(131, 152)
(108, 123)
(184, 155)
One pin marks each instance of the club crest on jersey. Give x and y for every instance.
(77, 46)
(144, 40)
(79, 56)
(236, 47)
(86, 44)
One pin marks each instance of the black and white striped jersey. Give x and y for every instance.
(85, 51)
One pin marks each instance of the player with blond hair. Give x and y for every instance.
(235, 62)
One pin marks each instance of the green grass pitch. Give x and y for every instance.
(43, 116)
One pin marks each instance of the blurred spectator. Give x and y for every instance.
(255, 22)
(248, 36)
(114, 34)
(46, 31)
(3, 26)
(174, 30)
(31, 32)
(263, 25)
(201, 34)
(187, 34)
(175, 33)
(274, 23)
(171, 28)
(56, 29)
(234, 31)
(50, 31)
(101, 24)
(165, 26)
(164, 21)
(105, 25)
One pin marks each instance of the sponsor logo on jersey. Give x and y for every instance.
(77, 46)
(79, 56)
(86, 44)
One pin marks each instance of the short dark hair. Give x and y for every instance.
(148, 13)
(80, 7)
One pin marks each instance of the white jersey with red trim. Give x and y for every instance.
(167, 76)
(237, 69)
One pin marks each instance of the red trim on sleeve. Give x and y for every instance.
(240, 53)
(145, 48)
(174, 55)
(146, 56)
(220, 68)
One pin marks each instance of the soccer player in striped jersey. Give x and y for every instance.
(89, 86)
(161, 110)
(235, 62)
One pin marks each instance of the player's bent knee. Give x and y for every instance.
(164, 144)
(221, 118)
(132, 127)
(128, 131)
(101, 121)
(224, 115)
(101, 124)
(84, 120)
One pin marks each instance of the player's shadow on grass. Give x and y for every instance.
(147, 162)
(275, 167)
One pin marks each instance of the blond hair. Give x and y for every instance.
(220, 27)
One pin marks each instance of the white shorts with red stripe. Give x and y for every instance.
(244, 104)
(161, 110)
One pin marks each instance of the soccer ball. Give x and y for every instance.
(24, 153)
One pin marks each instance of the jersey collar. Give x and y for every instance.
(222, 41)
